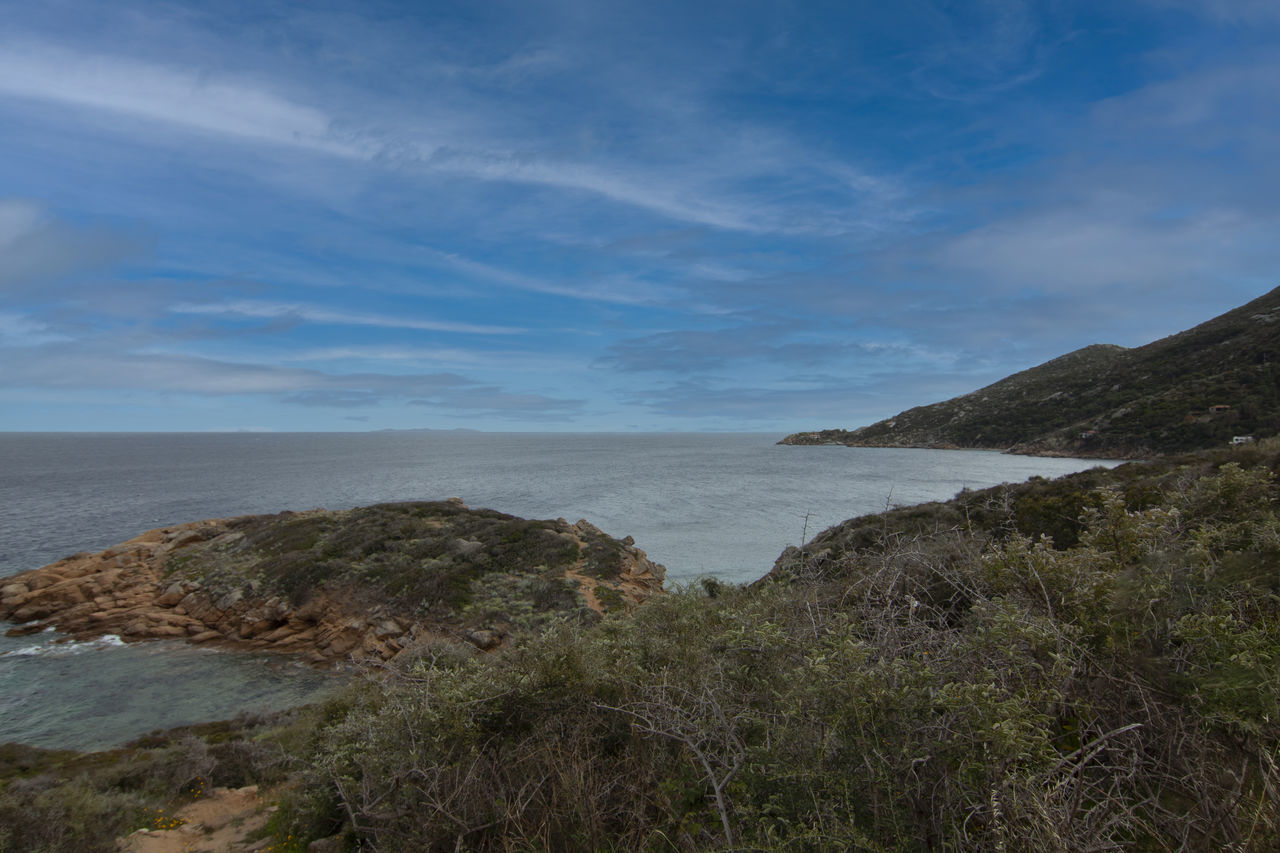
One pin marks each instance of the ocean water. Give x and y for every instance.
(62, 694)
(701, 504)
(717, 504)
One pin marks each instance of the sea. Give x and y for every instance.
(722, 505)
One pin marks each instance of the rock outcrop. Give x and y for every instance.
(331, 586)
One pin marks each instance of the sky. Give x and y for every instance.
(591, 215)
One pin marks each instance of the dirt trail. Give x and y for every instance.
(220, 822)
(587, 586)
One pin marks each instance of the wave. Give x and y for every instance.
(57, 646)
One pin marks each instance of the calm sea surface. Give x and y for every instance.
(99, 694)
(717, 504)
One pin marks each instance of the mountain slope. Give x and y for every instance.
(1196, 389)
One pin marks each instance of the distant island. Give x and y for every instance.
(428, 429)
(1211, 385)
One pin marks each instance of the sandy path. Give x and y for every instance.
(587, 586)
(219, 822)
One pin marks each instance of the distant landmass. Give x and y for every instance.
(1211, 385)
(428, 429)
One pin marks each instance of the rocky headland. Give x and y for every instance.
(330, 586)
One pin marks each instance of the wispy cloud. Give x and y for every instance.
(630, 292)
(79, 367)
(702, 187)
(1104, 244)
(691, 352)
(384, 353)
(693, 214)
(978, 50)
(17, 330)
(165, 95)
(297, 312)
(498, 361)
(716, 189)
(1232, 11)
(830, 404)
(36, 249)
(1206, 106)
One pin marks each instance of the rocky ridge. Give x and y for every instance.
(236, 581)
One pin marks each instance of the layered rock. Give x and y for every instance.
(236, 581)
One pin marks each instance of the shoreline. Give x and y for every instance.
(1014, 450)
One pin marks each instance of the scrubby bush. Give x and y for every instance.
(63, 802)
(936, 686)
(946, 677)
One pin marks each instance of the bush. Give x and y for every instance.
(931, 678)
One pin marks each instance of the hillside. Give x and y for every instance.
(1076, 665)
(1193, 390)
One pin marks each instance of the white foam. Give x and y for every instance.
(66, 648)
(25, 651)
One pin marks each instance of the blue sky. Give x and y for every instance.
(587, 215)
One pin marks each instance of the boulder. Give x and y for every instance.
(332, 844)
(385, 627)
(36, 610)
(343, 643)
(173, 594)
(230, 600)
(484, 639)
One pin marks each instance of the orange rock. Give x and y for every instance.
(171, 596)
(342, 643)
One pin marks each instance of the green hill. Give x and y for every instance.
(1194, 390)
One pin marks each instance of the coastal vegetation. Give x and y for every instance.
(370, 581)
(440, 562)
(59, 800)
(1194, 390)
(1089, 663)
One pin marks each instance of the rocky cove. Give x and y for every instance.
(369, 583)
(724, 506)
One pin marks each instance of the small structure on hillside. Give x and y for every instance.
(1088, 434)
(1242, 439)
(1219, 409)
